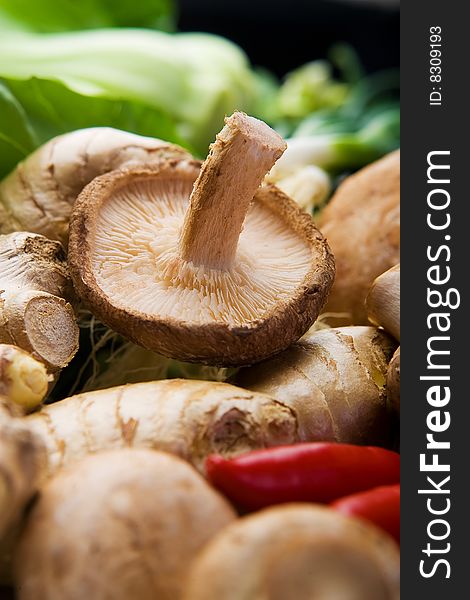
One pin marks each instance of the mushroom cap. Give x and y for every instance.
(123, 256)
(39, 193)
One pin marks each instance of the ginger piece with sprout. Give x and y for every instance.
(202, 264)
(23, 380)
(35, 294)
(39, 193)
(297, 552)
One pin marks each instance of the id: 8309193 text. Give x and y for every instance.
(435, 65)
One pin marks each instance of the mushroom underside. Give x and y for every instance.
(136, 261)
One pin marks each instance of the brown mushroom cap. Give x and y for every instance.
(296, 552)
(177, 281)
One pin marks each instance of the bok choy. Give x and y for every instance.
(175, 86)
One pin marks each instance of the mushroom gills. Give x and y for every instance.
(137, 261)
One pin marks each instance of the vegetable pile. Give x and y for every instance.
(199, 359)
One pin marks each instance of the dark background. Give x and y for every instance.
(283, 34)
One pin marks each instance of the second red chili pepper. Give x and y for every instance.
(380, 506)
(311, 472)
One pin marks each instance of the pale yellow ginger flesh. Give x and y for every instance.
(23, 379)
(136, 259)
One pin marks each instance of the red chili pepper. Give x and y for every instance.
(312, 472)
(380, 505)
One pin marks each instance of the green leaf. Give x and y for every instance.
(54, 109)
(193, 79)
(309, 88)
(69, 15)
(16, 135)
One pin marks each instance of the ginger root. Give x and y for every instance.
(124, 524)
(35, 294)
(188, 418)
(393, 382)
(38, 195)
(383, 308)
(335, 379)
(22, 462)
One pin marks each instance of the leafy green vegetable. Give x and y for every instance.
(345, 145)
(310, 88)
(176, 86)
(50, 16)
(375, 90)
(16, 136)
(336, 125)
(53, 109)
(180, 86)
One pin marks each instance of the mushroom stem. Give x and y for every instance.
(244, 151)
